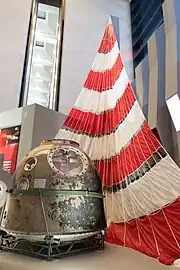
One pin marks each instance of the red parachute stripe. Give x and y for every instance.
(139, 234)
(101, 81)
(108, 40)
(89, 123)
(139, 150)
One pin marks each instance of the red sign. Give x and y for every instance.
(9, 143)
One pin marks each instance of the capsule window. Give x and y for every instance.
(23, 184)
(66, 161)
(30, 164)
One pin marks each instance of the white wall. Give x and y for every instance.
(84, 26)
(14, 21)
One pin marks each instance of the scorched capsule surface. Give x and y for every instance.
(56, 191)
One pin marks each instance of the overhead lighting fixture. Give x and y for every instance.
(173, 104)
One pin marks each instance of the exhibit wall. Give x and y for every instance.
(157, 80)
(14, 21)
(35, 123)
(83, 28)
(38, 123)
(84, 25)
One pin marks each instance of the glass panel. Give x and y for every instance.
(67, 162)
(42, 63)
(42, 72)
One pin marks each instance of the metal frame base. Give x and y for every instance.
(48, 249)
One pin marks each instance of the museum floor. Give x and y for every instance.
(114, 257)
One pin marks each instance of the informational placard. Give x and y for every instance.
(9, 143)
(39, 183)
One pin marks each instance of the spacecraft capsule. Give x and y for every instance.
(55, 191)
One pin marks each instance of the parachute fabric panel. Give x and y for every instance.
(141, 183)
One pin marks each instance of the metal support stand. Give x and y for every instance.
(49, 249)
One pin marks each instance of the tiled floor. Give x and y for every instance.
(114, 257)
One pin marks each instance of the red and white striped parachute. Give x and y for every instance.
(140, 181)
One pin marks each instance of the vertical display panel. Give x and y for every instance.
(40, 84)
(9, 143)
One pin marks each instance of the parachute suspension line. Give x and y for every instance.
(131, 155)
(147, 214)
(170, 187)
(149, 217)
(131, 195)
(106, 152)
(173, 191)
(134, 131)
(175, 239)
(147, 162)
(99, 163)
(121, 192)
(111, 169)
(132, 204)
(122, 198)
(162, 207)
(128, 190)
(111, 172)
(154, 235)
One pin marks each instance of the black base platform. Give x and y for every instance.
(48, 249)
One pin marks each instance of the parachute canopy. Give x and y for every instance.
(141, 182)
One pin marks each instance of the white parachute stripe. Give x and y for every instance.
(98, 102)
(104, 62)
(149, 194)
(103, 147)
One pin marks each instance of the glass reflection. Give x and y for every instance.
(67, 162)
